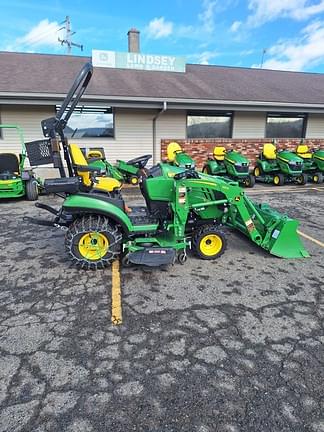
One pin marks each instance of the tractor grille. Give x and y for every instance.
(244, 168)
(296, 166)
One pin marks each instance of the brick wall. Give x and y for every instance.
(199, 149)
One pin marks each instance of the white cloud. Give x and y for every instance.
(206, 17)
(235, 26)
(204, 57)
(298, 54)
(265, 10)
(45, 34)
(159, 28)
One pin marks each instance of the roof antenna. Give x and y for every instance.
(262, 57)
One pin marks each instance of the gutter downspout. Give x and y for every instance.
(155, 147)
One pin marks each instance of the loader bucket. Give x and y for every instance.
(285, 241)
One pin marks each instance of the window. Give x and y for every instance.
(285, 125)
(90, 121)
(209, 124)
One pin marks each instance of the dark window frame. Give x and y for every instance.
(212, 113)
(304, 116)
(85, 107)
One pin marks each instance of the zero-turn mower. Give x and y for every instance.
(279, 167)
(128, 172)
(15, 180)
(184, 209)
(313, 162)
(231, 164)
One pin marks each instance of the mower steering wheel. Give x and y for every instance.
(188, 174)
(140, 161)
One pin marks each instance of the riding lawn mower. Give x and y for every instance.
(184, 209)
(313, 163)
(15, 180)
(231, 164)
(279, 167)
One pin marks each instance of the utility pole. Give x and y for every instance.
(68, 36)
(262, 58)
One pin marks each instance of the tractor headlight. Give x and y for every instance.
(182, 193)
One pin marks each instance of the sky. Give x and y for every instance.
(280, 34)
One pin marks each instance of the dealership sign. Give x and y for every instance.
(129, 60)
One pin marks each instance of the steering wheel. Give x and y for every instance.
(187, 174)
(140, 161)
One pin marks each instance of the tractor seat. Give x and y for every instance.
(303, 151)
(102, 184)
(94, 154)
(219, 153)
(172, 150)
(9, 163)
(269, 151)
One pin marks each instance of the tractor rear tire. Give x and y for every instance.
(257, 172)
(93, 242)
(31, 190)
(301, 179)
(279, 179)
(317, 178)
(209, 242)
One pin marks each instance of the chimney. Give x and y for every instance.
(133, 40)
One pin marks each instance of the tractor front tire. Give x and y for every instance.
(301, 179)
(249, 181)
(31, 190)
(209, 242)
(279, 180)
(93, 242)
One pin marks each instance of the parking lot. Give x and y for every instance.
(231, 345)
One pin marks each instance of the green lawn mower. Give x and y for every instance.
(177, 157)
(15, 180)
(280, 167)
(313, 163)
(231, 164)
(184, 210)
(128, 172)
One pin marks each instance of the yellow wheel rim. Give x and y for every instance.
(93, 246)
(276, 180)
(211, 244)
(315, 178)
(257, 171)
(134, 180)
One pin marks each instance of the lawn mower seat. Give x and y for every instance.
(219, 153)
(95, 154)
(172, 150)
(303, 151)
(102, 184)
(269, 151)
(9, 163)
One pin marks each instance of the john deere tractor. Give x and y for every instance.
(128, 172)
(280, 167)
(313, 162)
(15, 180)
(231, 164)
(184, 209)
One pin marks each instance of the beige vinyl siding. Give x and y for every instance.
(28, 118)
(249, 125)
(170, 125)
(315, 126)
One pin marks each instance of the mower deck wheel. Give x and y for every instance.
(92, 242)
(31, 190)
(279, 180)
(209, 242)
(317, 177)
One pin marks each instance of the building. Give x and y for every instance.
(134, 112)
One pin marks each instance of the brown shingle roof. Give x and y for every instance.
(53, 74)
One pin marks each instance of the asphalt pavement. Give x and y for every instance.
(231, 345)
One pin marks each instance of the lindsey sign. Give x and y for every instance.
(112, 59)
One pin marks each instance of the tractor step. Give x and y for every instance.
(152, 256)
